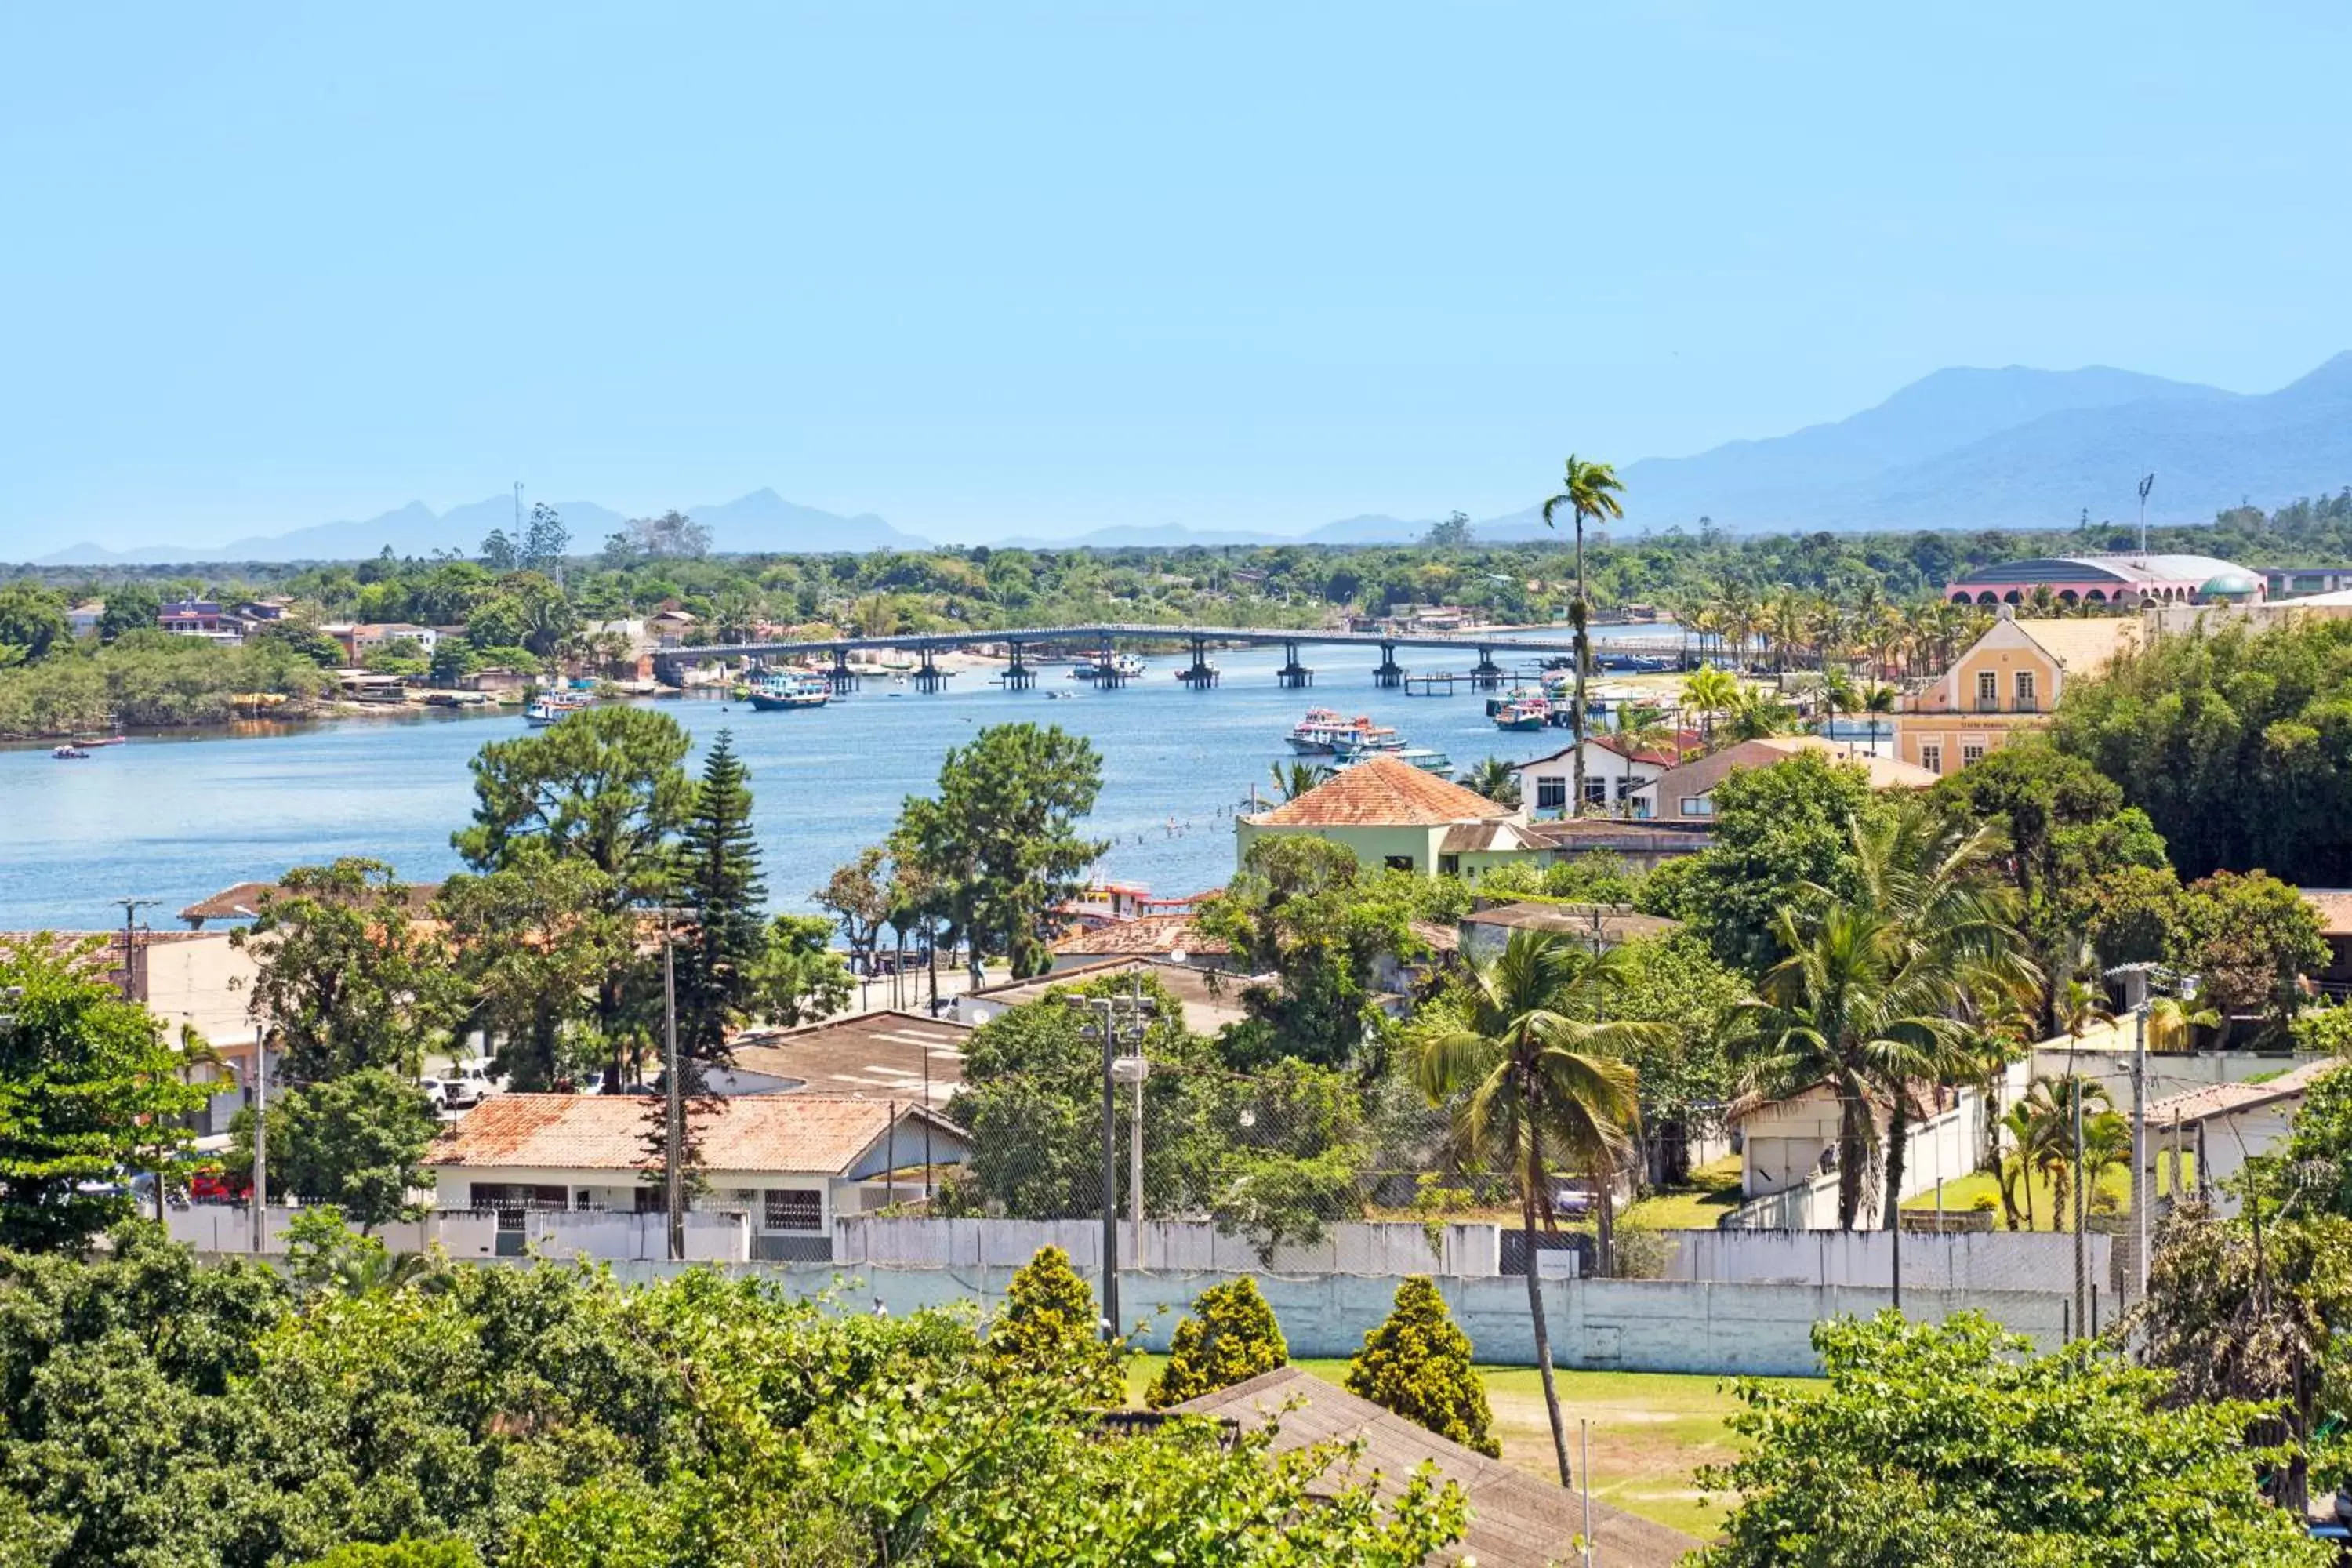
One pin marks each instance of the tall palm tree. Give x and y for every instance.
(1843, 1011)
(1585, 489)
(1707, 692)
(1532, 1082)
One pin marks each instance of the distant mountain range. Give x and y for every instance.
(1960, 449)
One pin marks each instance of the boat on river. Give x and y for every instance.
(1523, 711)
(1365, 739)
(1122, 665)
(69, 754)
(551, 705)
(1428, 759)
(790, 689)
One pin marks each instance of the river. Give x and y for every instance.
(176, 818)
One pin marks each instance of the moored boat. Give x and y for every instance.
(1314, 736)
(790, 689)
(1364, 738)
(69, 754)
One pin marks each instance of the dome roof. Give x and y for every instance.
(2228, 584)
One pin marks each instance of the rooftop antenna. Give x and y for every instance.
(2145, 485)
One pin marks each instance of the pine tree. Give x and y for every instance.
(1051, 1329)
(1231, 1336)
(1417, 1363)
(719, 873)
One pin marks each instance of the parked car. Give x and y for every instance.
(437, 1090)
(214, 1186)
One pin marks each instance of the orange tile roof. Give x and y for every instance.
(751, 1133)
(2333, 907)
(1382, 792)
(1143, 934)
(2221, 1099)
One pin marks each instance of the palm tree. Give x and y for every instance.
(1707, 692)
(1587, 490)
(1531, 1081)
(2172, 1024)
(2050, 1102)
(1843, 1011)
(1756, 714)
(1292, 780)
(1496, 779)
(2018, 1163)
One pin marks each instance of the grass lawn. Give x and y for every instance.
(1651, 1431)
(2114, 1186)
(1713, 1191)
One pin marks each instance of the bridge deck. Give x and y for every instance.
(1095, 636)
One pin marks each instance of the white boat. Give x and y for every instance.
(546, 707)
(1124, 666)
(790, 689)
(1365, 739)
(1317, 734)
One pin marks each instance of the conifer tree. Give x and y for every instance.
(718, 880)
(1231, 1336)
(1417, 1363)
(1051, 1329)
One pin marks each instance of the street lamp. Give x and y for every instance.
(2140, 981)
(1122, 1021)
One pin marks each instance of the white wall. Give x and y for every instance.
(228, 1229)
(1966, 1261)
(1388, 1250)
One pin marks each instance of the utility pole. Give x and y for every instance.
(131, 988)
(674, 1135)
(2140, 980)
(2082, 1269)
(1122, 1023)
(260, 1137)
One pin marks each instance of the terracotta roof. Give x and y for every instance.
(1618, 922)
(1682, 744)
(1440, 938)
(2333, 907)
(1380, 792)
(1142, 936)
(243, 901)
(2084, 646)
(1634, 838)
(2223, 1099)
(1205, 1010)
(1516, 1518)
(1886, 773)
(1470, 837)
(823, 1134)
(886, 1054)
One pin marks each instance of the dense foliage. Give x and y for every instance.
(156, 1412)
(1417, 1363)
(1953, 1445)
(1230, 1336)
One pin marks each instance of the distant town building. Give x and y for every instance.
(1686, 794)
(1614, 771)
(84, 617)
(2130, 580)
(1391, 814)
(201, 618)
(2008, 681)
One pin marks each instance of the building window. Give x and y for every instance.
(1399, 862)
(2025, 691)
(791, 1209)
(1698, 805)
(1551, 792)
(1971, 755)
(1931, 756)
(1449, 865)
(1596, 792)
(1626, 786)
(1988, 690)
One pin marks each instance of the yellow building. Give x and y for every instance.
(1391, 814)
(2008, 682)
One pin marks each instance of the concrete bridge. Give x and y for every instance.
(1102, 640)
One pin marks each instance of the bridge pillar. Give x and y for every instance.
(1018, 676)
(1293, 673)
(1485, 675)
(1106, 675)
(927, 678)
(843, 681)
(1200, 675)
(1388, 672)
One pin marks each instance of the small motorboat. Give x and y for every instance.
(101, 740)
(69, 754)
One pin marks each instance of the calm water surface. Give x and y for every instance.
(176, 818)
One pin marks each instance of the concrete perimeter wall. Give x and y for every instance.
(1599, 1324)
(1964, 1262)
(1349, 1247)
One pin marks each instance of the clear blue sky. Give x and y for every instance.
(1017, 266)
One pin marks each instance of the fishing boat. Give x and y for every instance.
(1365, 739)
(549, 706)
(69, 754)
(790, 689)
(1523, 711)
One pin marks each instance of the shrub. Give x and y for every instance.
(445, 1552)
(1417, 1363)
(1051, 1330)
(1231, 1336)
(1641, 1251)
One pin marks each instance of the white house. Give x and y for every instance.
(790, 1162)
(2223, 1125)
(1613, 772)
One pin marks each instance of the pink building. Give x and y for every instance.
(2109, 580)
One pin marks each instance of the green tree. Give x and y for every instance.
(32, 622)
(448, 1552)
(2249, 937)
(88, 1093)
(1051, 1330)
(345, 978)
(130, 607)
(1952, 1444)
(718, 880)
(797, 977)
(532, 940)
(1230, 1337)
(1530, 1079)
(1417, 1363)
(353, 1141)
(1586, 490)
(1686, 1072)
(1496, 779)
(999, 839)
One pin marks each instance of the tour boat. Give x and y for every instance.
(69, 754)
(546, 707)
(1363, 739)
(1314, 736)
(790, 689)
(1428, 759)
